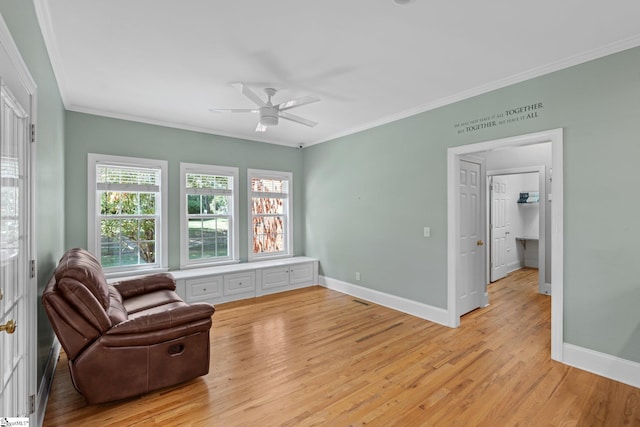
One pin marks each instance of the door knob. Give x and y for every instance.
(1, 295)
(479, 243)
(9, 327)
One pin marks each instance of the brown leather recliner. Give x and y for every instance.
(125, 339)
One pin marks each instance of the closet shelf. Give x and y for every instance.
(528, 197)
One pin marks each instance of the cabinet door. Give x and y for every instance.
(301, 273)
(276, 277)
(204, 288)
(239, 283)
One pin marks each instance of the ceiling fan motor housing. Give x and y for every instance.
(268, 116)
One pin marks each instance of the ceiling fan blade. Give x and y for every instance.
(261, 127)
(296, 102)
(297, 119)
(232, 110)
(249, 94)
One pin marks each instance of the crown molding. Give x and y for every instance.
(562, 64)
(44, 18)
(43, 15)
(168, 124)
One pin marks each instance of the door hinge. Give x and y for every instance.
(33, 132)
(33, 268)
(32, 409)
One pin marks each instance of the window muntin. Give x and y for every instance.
(209, 231)
(126, 212)
(270, 214)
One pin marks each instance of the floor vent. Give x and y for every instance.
(360, 302)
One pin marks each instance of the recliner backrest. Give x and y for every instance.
(81, 265)
(77, 301)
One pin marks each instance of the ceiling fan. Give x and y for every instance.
(270, 113)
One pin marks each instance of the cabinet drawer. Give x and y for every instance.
(301, 273)
(204, 288)
(239, 283)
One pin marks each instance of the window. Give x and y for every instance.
(127, 212)
(208, 205)
(270, 221)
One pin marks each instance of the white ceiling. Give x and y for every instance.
(369, 61)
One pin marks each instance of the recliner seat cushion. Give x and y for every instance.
(158, 309)
(154, 299)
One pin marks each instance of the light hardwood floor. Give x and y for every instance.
(319, 357)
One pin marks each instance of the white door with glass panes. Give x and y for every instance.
(17, 281)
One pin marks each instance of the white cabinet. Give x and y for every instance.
(203, 288)
(274, 278)
(247, 280)
(240, 283)
(279, 279)
(218, 287)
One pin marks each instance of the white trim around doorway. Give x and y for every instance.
(23, 78)
(555, 137)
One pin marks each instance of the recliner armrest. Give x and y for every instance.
(145, 284)
(163, 320)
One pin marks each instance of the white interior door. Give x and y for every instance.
(17, 365)
(470, 278)
(499, 227)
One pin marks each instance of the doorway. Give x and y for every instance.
(18, 293)
(517, 226)
(454, 268)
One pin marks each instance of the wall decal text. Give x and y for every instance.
(510, 115)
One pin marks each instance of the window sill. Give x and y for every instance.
(269, 257)
(239, 267)
(208, 264)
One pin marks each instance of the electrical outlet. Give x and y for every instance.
(427, 232)
(357, 276)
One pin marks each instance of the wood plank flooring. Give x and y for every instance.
(315, 357)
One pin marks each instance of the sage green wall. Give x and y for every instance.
(20, 17)
(369, 195)
(87, 133)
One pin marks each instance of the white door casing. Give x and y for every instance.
(17, 244)
(471, 280)
(555, 137)
(499, 227)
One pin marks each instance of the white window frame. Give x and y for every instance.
(234, 229)
(288, 229)
(93, 210)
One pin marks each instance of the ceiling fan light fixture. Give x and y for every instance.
(269, 113)
(269, 116)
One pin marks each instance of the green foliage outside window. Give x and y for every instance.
(208, 201)
(126, 240)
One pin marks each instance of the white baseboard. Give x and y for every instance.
(513, 266)
(546, 289)
(418, 309)
(47, 380)
(612, 367)
(615, 368)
